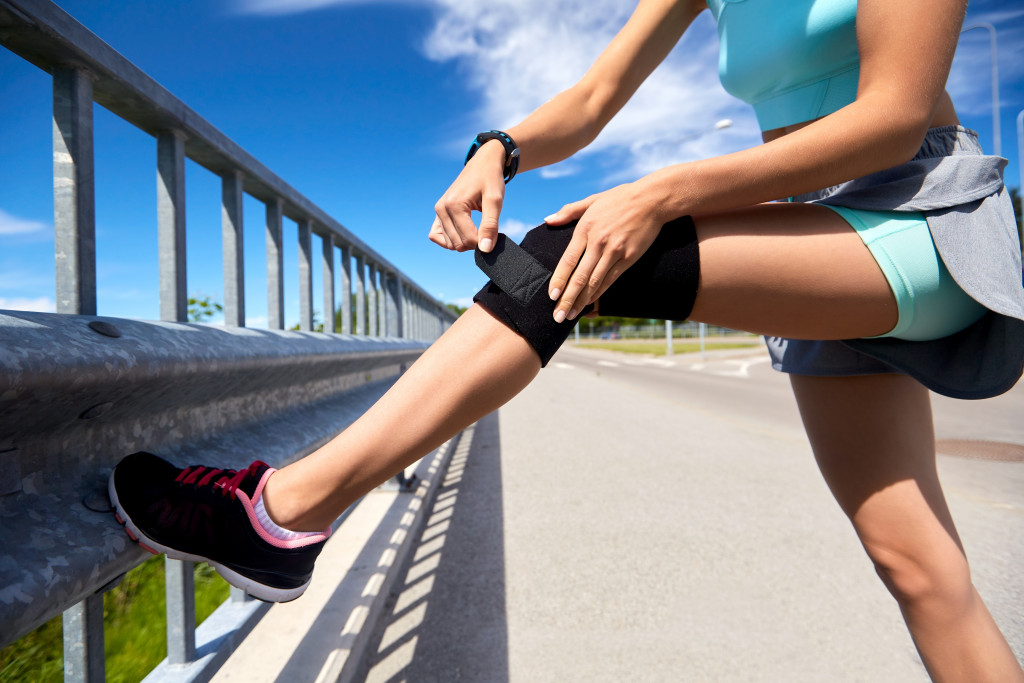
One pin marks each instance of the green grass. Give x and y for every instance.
(135, 633)
(656, 347)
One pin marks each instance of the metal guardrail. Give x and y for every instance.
(78, 391)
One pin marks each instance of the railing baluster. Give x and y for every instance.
(180, 590)
(305, 275)
(275, 266)
(234, 265)
(395, 305)
(346, 289)
(170, 202)
(74, 192)
(382, 300)
(371, 300)
(83, 641)
(408, 324)
(417, 317)
(327, 265)
(360, 294)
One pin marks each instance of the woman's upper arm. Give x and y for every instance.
(650, 34)
(906, 49)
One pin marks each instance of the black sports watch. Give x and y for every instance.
(511, 150)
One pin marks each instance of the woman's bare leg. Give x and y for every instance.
(475, 367)
(777, 269)
(787, 270)
(874, 442)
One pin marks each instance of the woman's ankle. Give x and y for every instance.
(283, 508)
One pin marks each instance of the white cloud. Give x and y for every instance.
(520, 53)
(43, 304)
(514, 228)
(279, 7)
(12, 225)
(517, 54)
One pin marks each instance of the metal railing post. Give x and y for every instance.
(360, 294)
(275, 265)
(305, 275)
(234, 263)
(396, 300)
(327, 266)
(382, 303)
(346, 289)
(407, 322)
(83, 641)
(170, 201)
(179, 587)
(74, 192)
(371, 300)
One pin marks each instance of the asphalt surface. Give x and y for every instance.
(629, 519)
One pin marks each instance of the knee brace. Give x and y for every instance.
(662, 284)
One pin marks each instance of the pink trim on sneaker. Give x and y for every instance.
(258, 527)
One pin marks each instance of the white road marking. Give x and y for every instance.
(563, 366)
(608, 363)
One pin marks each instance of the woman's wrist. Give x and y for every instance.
(662, 192)
(491, 153)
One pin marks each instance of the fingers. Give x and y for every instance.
(491, 209)
(583, 272)
(586, 283)
(570, 212)
(437, 235)
(479, 187)
(455, 219)
(567, 264)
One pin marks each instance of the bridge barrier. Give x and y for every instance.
(79, 391)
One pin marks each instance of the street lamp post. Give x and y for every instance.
(996, 136)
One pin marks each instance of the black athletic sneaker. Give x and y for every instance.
(205, 514)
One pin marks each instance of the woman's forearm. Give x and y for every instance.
(556, 130)
(851, 143)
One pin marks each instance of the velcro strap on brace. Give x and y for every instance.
(514, 270)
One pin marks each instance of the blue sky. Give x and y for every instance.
(367, 107)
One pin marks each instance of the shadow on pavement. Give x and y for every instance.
(446, 619)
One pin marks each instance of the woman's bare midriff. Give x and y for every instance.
(945, 115)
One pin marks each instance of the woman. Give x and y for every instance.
(850, 97)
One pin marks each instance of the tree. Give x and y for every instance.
(456, 309)
(201, 310)
(317, 325)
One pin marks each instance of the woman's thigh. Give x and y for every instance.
(790, 270)
(874, 442)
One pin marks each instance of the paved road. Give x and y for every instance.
(671, 526)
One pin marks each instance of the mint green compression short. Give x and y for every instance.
(931, 304)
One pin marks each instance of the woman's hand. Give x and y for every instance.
(479, 187)
(615, 228)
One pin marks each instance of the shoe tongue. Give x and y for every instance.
(252, 482)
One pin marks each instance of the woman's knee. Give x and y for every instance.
(662, 283)
(919, 573)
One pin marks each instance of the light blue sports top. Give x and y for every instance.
(793, 60)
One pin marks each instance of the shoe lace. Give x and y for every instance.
(226, 482)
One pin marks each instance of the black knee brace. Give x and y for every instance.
(662, 284)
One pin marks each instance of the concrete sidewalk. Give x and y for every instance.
(623, 521)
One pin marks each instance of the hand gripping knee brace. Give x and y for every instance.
(662, 284)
